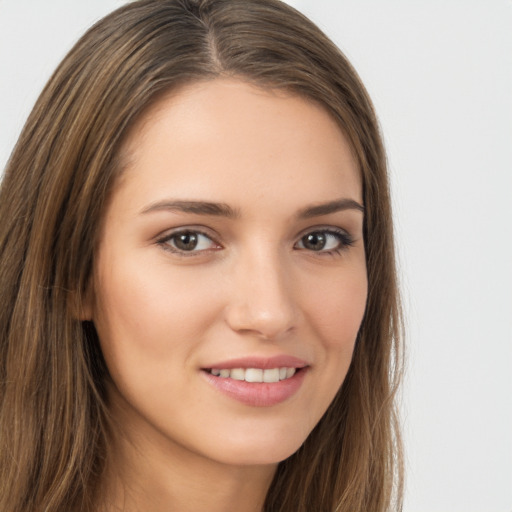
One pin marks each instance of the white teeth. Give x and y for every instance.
(255, 374)
(271, 375)
(238, 374)
(290, 372)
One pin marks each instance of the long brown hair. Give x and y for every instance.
(53, 418)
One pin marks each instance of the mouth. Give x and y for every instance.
(258, 381)
(255, 375)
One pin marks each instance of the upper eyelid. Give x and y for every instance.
(201, 230)
(325, 228)
(204, 230)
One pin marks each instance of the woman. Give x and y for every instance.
(199, 296)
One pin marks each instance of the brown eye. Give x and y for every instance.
(188, 242)
(314, 241)
(325, 241)
(185, 241)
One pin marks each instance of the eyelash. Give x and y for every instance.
(345, 240)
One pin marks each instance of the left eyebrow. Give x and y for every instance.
(337, 205)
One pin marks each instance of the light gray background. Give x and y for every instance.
(440, 74)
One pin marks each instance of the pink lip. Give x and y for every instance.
(265, 363)
(259, 394)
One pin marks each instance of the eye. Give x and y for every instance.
(188, 241)
(325, 241)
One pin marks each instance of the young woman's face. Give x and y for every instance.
(231, 253)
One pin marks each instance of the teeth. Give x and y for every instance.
(290, 372)
(255, 374)
(238, 374)
(271, 375)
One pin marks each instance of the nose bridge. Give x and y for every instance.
(262, 300)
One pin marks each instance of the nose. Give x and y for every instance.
(262, 300)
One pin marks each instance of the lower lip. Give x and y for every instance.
(258, 394)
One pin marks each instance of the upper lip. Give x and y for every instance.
(279, 361)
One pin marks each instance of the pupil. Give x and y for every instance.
(314, 241)
(186, 241)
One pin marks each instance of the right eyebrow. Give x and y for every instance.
(195, 207)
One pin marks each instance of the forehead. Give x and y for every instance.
(228, 138)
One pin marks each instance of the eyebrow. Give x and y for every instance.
(224, 210)
(337, 205)
(196, 207)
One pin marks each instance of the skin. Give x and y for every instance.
(251, 287)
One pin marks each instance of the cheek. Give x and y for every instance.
(148, 316)
(337, 310)
(334, 313)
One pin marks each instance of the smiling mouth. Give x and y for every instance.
(258, 383)
(268, 375)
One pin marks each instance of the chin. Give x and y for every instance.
(267, 448)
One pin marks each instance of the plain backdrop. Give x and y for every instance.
(440, 74)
